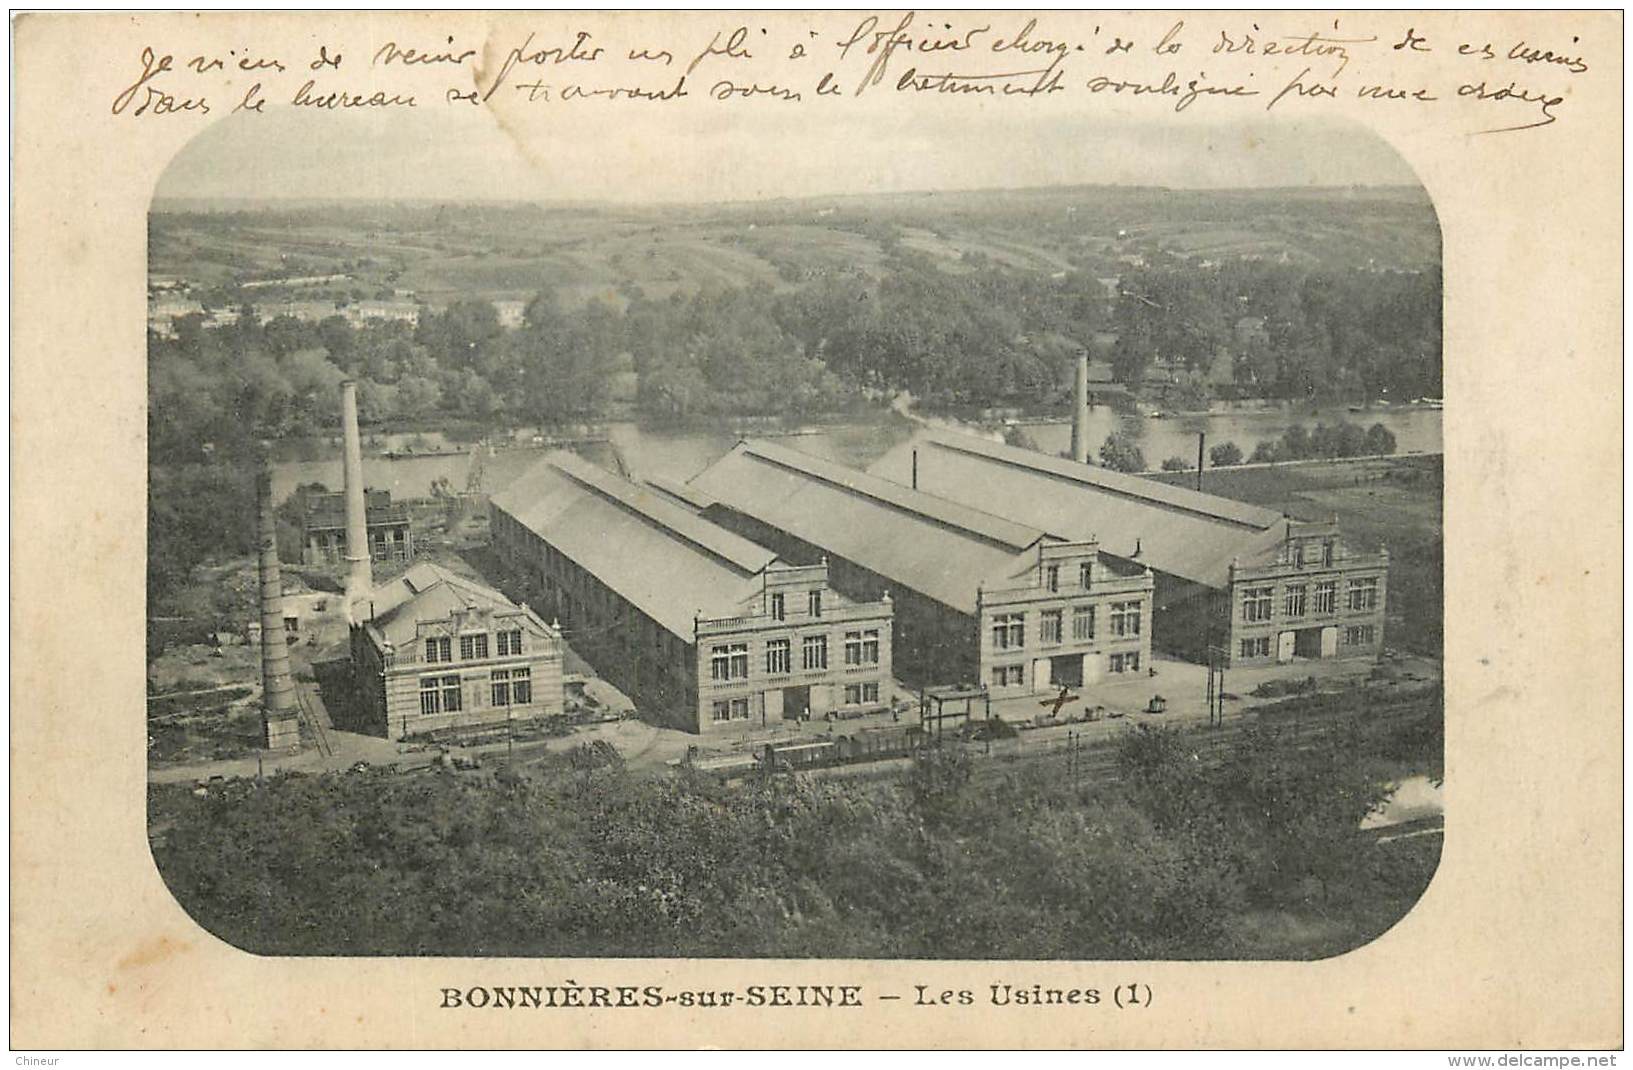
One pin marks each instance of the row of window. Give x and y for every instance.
(779, 606)
(1360, 635)
(1015, 675)
(734, 709)
(861, 694)
(1009, 629)
(1354, 635)
(507, 687)
(1051, 576)
(737, 709)
(1257, 647)
(473, 647)
(729, 661)
(1258, 602)
(1299, 557)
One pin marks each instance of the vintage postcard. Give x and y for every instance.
(817, 529)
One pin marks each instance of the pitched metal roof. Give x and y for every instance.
(1176, 530)
(939, 548)
(663, 559)
(687, 497)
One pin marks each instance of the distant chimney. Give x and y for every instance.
(359, 573)
(1201, 440)
(1080, 410)
(279, 724)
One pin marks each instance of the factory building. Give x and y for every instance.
(433, 651)
(978, 597)
(1258, 587)
(706, 630)
(323, 527)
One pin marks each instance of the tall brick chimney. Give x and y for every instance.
(280, 723)
(359, 572)
(1080, 410)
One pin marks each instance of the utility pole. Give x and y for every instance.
(1216, 687)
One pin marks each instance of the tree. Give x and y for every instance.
(1380, 440)
(1017, 436)
(1120, 453)
(1225, 454)
(1132, 353)
(1266, 452)
(1175, 464)
(1295, 444)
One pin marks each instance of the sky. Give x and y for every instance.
(635, 153)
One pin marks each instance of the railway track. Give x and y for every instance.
(1096, 759)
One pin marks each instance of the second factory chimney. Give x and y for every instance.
(1080, 410)
(359, 573)
(279, 724)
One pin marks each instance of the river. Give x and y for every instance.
(681, 454)
(1416, 428)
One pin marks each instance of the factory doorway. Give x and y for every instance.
(1066, 670)
(796, 702)
(1307, 643)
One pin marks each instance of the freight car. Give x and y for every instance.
(866, 745)
(788, 757)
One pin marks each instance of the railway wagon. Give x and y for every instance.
(786, 757)
(866, 745)
(875, 744)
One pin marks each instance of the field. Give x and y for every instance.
(510, 251)
(1394, 503)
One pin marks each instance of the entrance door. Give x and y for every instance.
(1308, 643)
(1284, 646)
(773, 704)
(822, 699)
(1089, 673)
(1329, 642)
(1042, 680)
(795, 701)
(1066, 670)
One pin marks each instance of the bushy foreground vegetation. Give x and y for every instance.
(1256, 854)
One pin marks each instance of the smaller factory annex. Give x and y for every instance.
(432, 650)
(700, 626)
(978, 598)
(323, 526)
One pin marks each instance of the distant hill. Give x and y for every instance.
(495, 250)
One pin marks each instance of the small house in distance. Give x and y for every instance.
(433, 650)
(323, 527)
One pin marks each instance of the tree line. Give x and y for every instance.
(974, 336)
(1170, 858)
(1291, 332)
(1297, 443)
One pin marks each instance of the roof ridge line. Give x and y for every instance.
(968, 444)
(809, 465)
(620, 497)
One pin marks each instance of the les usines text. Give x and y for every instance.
(614, 997)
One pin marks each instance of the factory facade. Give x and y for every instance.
(706, 629)
(433, 651)
(979, 599)
(1233, 582)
